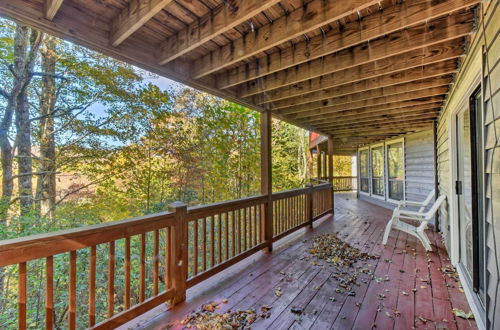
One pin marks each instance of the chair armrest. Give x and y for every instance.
(410, 203)
(407, 213)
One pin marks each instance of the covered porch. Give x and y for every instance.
(357, 72)
(403, 289)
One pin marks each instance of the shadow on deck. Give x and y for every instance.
(404, 289)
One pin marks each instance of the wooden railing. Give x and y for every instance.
(341, 183)
(159, 256)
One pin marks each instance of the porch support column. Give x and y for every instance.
(310, 163)
(330, 166)
(266, 178)
(318, 153)
(324, 166)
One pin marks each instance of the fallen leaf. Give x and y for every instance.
(462, 314)
(278, 292)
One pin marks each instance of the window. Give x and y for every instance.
(395, 170)
(363, 171)
(377, 158)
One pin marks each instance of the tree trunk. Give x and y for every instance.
(24, 64)
(46, 183)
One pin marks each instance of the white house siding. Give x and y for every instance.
(419, 168)
(482, 64)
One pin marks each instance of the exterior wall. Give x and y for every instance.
(419, 165)
(419, 168)
(480, 67)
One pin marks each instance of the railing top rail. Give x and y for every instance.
(32, 247)
(204, 210)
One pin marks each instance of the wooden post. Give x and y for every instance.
(330, 166)
(266, 181)
(309, 204)
(324, 167)
(318, 153)
(310, 163)
(436, 168)
(178, 250)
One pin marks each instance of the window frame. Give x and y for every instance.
(368, 159)
(384, 176)
(387, 144)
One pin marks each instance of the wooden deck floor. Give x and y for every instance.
(407, 289)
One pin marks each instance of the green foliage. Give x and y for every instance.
(134, 148)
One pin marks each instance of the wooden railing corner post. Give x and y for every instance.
(268, 224)
(179, 252)
(309, 204)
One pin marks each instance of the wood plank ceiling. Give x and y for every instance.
(358, 70)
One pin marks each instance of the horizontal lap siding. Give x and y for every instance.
(419, 165)
(491, 92)
(474, 62)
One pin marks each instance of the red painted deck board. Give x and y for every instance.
(385, 299)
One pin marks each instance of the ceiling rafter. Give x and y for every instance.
(133, 17)
(51, 8)
(422, 94)
(413, 86)
(223, 19)
(366, 77)
(307, 18)
(447, 29)
(392, 19)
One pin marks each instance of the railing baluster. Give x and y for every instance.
(142, 269)
(156, 265)
(219, 237)
(92, 282)
(127, 273)
(233, 225)
(226, 233)
(72, 290)
(204, 243)
(49, 293)
(168, 271)
(245, 247)
(195, 247)
(21, 299)
(111, 279)
(212, 241)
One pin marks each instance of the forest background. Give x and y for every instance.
(87, 139)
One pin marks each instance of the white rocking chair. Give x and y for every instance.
(420, 216)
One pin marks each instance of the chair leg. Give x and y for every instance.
(388, 228)
(424, 239)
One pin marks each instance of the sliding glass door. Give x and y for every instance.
(377, 158)
(469, 193)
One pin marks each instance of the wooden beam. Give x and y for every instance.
(133, 17)
(432, 113)
(450, 28)
(386, 21)
(382, 127)
(309, 17)
(312, 120)
(407, 122)
(359, 115)
(226, 17)
(426, 93)
(425, 56)
(336, 86)
(51, 8)
(266, 179)
(323, 99)
(396, 128)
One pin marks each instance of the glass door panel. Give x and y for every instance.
(395, 169)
